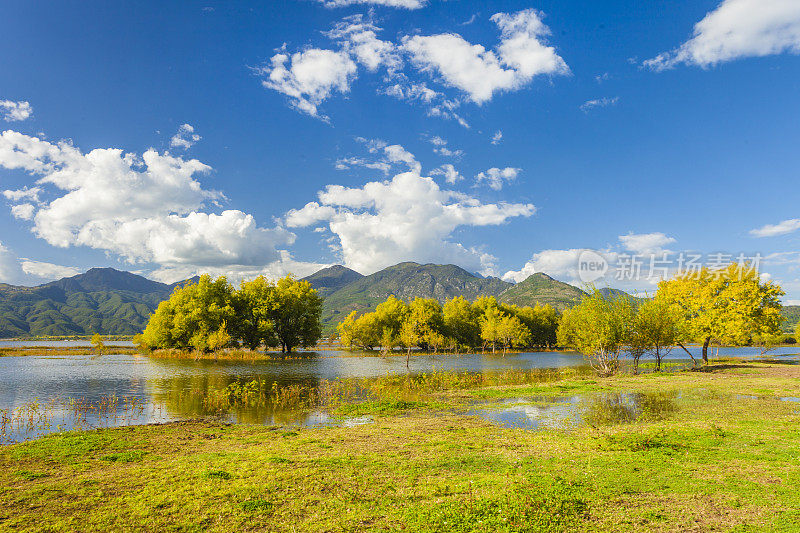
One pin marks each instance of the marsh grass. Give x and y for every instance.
(36, 417)
(65, 351)
(717, 463)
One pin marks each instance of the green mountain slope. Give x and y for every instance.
(406, 281)
(102, 300)
(791, 315)
(330, 279)
(542, 289)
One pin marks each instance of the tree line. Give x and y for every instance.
(730, 306)
(211, 315)
(458, 325)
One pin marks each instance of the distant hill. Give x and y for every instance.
(102, 300)
(330, 279)
(542, 289)
(406, 281)
(113, 302)
(791, 314)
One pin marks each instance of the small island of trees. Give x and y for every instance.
(211, 315)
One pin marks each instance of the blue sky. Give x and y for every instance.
(503, 136)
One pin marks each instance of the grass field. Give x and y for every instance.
(720, 452)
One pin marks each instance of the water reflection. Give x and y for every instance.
(598, 409)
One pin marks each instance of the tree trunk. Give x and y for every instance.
(690, 353)
(705, 349)
(408, 357)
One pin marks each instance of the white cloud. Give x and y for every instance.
(496, 177)
(645, 243)
(146, 208)
(346, 163)
(185, 138)
(393, 154)
(311, 77)
(406, 4)
(23, 194)
(561, 264)
(15, 111)
(397, 154)
(451, 175)
(16, 271)
(237, 273)
(23, 211)
(737, 29)
(359, 38)
(409, 218)
(440, 147)
(437, 104)
(781, 228)
(479, 72)
(497, 138)
(47, 271)
(599, 102)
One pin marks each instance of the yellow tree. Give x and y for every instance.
(728, 305)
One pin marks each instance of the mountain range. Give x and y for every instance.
(113, 302)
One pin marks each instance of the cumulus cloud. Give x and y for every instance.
(40, 270)
(738, 29)
(143, 208)
(781, 228)
(358, 36)
(645, 243)
(405, 4)
(17, 271)
(23, 211)
(15, 111)
(497, 138)
(599, 102)
(563, 264)
(407, 218)
(449, 172)
(497, 177)
(310, 77)
(480, 73)
(389, 156)
(185, 138)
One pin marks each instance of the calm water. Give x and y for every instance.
(156, 390)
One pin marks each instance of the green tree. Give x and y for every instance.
(598, 328)
(295, 313)
(729, 305)
(190, 315)
(512, 332)
(254, 310)
(659, 326)
(425, 316)
(461, 322)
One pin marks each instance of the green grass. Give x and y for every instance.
(714, 461)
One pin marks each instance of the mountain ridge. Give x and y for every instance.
(114, 302)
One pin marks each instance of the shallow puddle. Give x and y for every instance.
(595, 409)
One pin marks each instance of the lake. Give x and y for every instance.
(52, 393)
